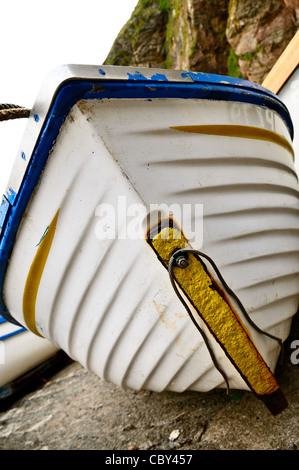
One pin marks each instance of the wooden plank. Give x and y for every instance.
(284, 66)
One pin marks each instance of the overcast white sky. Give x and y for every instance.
(37, 36)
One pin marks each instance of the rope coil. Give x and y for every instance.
(172, 263)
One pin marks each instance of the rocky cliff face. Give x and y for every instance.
(259, 31)
(142, 40)
(237, 38)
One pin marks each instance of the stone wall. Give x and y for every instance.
(237, 38)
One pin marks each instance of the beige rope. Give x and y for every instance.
(11, 111)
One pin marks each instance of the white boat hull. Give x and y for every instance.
(107, 302)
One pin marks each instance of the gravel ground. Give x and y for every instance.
(71, 409)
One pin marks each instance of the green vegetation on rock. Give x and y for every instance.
(233, 69)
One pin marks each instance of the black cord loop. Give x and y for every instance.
(172, 263)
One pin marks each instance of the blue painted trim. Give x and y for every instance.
(3, 211)
(203, 86)
(5, 391)
(13, 333)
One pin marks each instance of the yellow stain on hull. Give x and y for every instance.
(35, 275)
(246, 132)
(213, 307)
